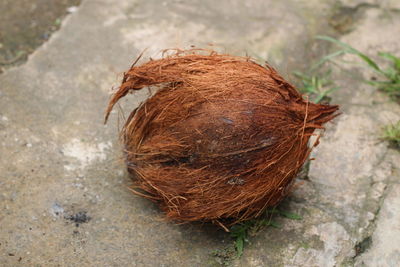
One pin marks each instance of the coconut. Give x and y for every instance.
(223, 138)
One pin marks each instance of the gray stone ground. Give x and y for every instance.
(63, 187)
(26, 24)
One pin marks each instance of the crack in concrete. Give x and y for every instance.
(364, 242)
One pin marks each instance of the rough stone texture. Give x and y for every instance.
(64, 197)
(385, 249)
(25, 25)
(384, 176)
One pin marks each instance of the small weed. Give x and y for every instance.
(391, 133)
(317, 87)
(389, 81)
(241, 232)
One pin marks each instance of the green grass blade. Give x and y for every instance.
(274, 224)
(290, 215)
(369, 61)
(239, 244)
(324, 94)
(351, 50)
(327, 58)
(335, 41)
(300, 75)
(391, 57)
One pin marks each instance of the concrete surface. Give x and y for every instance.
(26, 24)
(63, 187)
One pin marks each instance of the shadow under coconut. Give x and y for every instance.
(224, 246)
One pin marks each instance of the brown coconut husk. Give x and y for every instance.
(222, 138)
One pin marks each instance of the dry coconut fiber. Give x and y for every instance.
(223, 138)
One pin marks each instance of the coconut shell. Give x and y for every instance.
(222, 138)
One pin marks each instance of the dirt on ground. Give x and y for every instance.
(26, 24)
